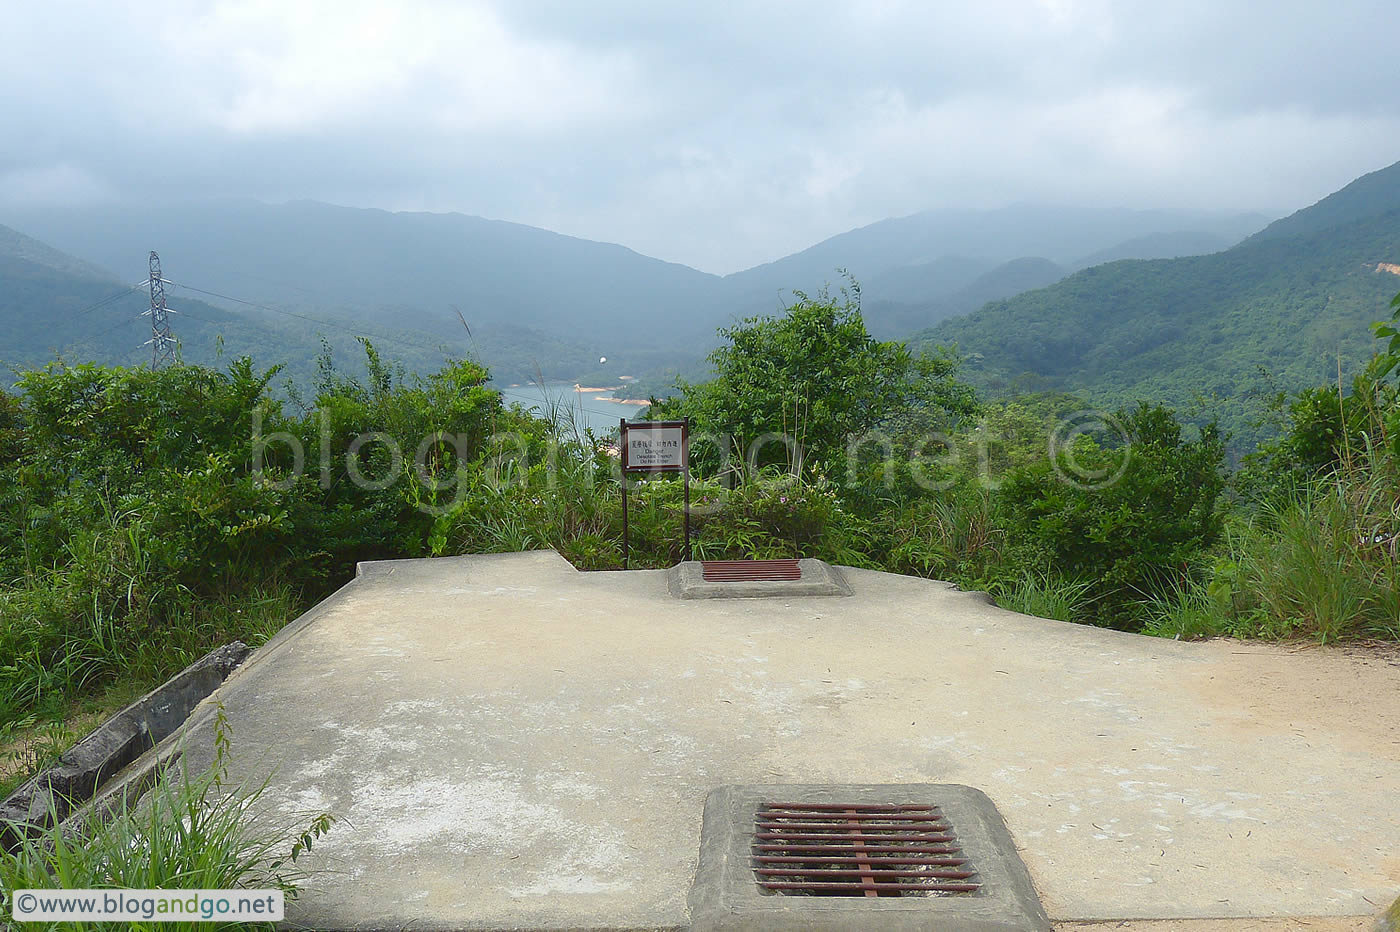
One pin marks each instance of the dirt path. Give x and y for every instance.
(1357, 924)
(1348, 695)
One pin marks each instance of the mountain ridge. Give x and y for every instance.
(538, 300)
(1373, 193)
(1273, 311)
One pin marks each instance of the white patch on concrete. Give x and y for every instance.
(582, 884)
(308, 799)
(397, 814)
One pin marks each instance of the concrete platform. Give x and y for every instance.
(512, 744)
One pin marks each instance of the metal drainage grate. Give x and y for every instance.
(858, 849)
(750, 570)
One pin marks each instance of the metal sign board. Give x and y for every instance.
(655, 446)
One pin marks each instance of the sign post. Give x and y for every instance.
(654, 446)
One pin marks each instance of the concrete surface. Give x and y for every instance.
(513, 744)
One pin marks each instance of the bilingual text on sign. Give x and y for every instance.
(654, 446)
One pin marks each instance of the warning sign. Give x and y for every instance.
(655, 446)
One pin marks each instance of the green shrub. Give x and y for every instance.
(1131, 536)
(816, 375)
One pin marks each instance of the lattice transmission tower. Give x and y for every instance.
(162, 341)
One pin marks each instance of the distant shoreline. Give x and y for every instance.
(560, 391)
(612, 388)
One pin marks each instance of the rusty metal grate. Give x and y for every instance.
(750, 570)
(858, 849)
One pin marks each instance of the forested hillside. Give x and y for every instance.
(373, 263)
(55, 305)
(1373, 193)
(1276, 312)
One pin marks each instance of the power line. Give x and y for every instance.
(109, 299)
(118, 324)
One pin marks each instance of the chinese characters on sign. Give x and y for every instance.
(656, 447)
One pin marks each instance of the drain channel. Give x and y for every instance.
(858, 850)
(750, 570)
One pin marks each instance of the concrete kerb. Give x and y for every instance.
(125, 789)
(82, 771)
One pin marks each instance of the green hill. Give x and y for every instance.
(1371, 194)
(55, 306)
(15, 245)
(1062, 234)
(375, 264)
(371, 264)
(1276, 311)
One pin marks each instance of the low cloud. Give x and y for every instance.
(718, 136)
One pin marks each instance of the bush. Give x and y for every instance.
(817, 376)
(1133, 536)
(142, 521)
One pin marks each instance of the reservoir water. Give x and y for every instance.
(597, 410)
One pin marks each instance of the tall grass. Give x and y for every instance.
(1324, 565)
(106, 622)
(1324, 559)
(189, 832)
(62, 640)
(1186, 613)
(1045, 595)
(957, 534)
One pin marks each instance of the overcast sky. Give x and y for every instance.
(719, 135)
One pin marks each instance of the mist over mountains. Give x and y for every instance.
(537, 303)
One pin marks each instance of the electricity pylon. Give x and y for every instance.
(162, 342)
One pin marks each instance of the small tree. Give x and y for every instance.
(815, 375)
